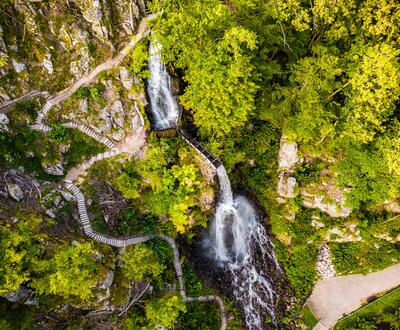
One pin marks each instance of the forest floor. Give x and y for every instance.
(333, 298)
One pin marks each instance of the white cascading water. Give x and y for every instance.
(241, 244)
(163, 103)
(239, 239)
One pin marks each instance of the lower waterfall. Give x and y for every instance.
(242, 248)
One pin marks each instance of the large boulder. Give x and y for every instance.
(48, 65)
(287, 186)
(22, 293)
(288, 158)
(54, 169)
(126, 79)
(18, 67)
(117, 113)
(15, 191)
(333, 207)
(4, 121)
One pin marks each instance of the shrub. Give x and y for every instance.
(58, 133)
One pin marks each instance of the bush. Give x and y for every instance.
(58, 133)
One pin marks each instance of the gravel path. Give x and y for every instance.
(335, 297)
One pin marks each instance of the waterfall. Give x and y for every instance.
(163, 103)
(242, 249)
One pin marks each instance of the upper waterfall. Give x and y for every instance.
(163, 103)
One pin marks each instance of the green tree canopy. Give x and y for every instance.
(72, 272)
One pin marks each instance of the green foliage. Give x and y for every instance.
(58, 133)
(307, 318)
(309, 172)
(138, 60)
(140, 262)
(221, 90)
(82, 92)
(160, 189)
(374, 73)
(28, 107)
(164, 311)
(93, 91)
(72, 272)
(20, 248)
(366, 173)
(362, 257)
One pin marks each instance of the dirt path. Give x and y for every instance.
(335, 297)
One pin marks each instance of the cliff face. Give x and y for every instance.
(48, 44)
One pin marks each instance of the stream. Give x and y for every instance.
(237, 244)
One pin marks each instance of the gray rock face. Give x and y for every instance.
(18, 67)
(15, 191)
(18, 295)
(333, 206)
(4, 121)
(48, 65)
(287, 154)
(54, 169)
(83, 105)
(67, 196)
(50, 214)
(108, 280)
(126, 80)
(287, 186)
(117, 113)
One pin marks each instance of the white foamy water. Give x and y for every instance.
(163, 103)
(243, 248)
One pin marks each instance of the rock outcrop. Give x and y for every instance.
(15, 191)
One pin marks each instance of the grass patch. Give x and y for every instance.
(363, 257)
(307, 318)
(378, 314)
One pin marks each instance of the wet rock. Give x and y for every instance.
(287, 186)
(15, 191)
(288, 158)
(18, 295)
(18, 67)
(54, 169)
(67, 196)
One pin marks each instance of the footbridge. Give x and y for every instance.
(200, 149)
